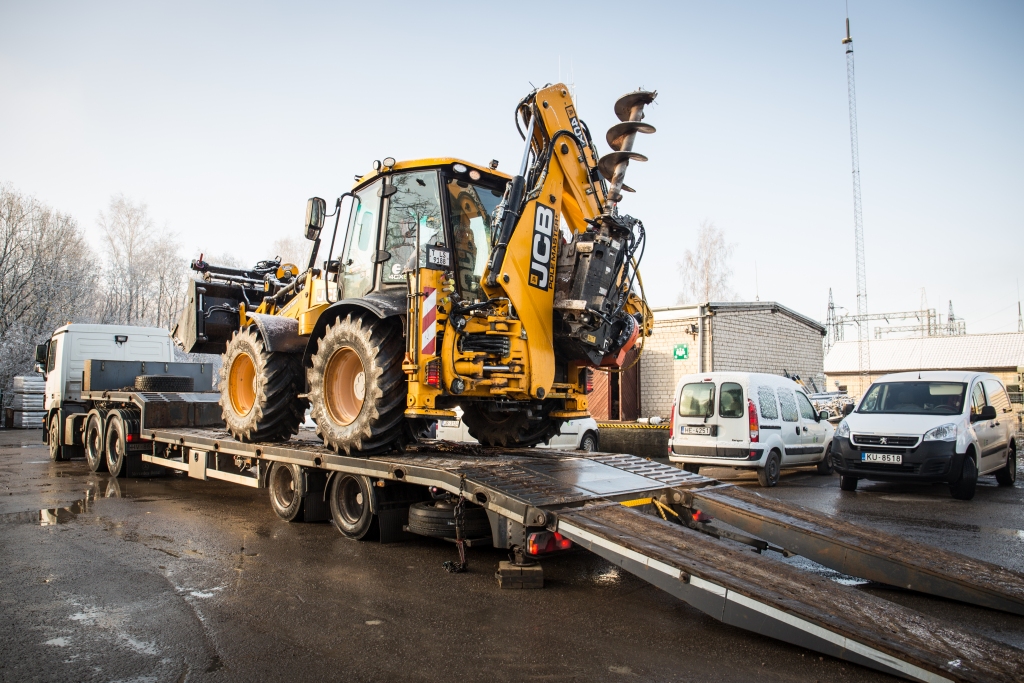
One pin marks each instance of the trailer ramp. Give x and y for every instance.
(759, 594)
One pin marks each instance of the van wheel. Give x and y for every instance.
(768, 475)
(692, 467)
(589, 442)
(847, 483)
(825, 464)
(963, 488)
(56, 450)
(95, 450)
(287, 487)
(1008, 475)
(350, 506)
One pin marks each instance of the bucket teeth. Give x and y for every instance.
(630, 110)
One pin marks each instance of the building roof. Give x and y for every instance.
(965, 352)
(693, 310)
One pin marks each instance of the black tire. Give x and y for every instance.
(357, 387)
(171, 383)
(436, 518)
(116, 445)
(588, 443)
(95, 442)
(825, 464)
(769, 475)
(964, 487)
(692, 467)
(53, 439)
(287, 487)
(511, 429)
(273, 410)
(351, 511)
(847, 483)
(1007, 476)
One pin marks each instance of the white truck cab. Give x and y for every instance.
(62, 361)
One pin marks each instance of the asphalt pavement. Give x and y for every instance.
(172, 579)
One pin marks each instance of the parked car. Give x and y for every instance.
(581, 435)
(748, 420)
(947, 427)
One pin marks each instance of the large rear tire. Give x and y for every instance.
(259, 390)
(95, 444)
(357, 387)
(511, 429)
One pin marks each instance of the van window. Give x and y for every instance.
(697, 400)
(788, 405)
(977, 399)
(731, 402)
(806, 409)
(997, 397)
(766, 403)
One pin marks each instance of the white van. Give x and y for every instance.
(746, 419)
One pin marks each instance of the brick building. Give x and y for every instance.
(756, 336)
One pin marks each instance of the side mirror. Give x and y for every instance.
(847, 409)
(316, 210)
(41, 352)
(823, 415)
(987, 413)
(381, 256)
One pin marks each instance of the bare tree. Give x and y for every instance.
(706, 271)
(293, 249)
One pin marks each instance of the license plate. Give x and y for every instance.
(886, 458)
(449, 423)
(690, 429)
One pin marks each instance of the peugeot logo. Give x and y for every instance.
(883, 441)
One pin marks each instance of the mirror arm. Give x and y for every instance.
(337, 219)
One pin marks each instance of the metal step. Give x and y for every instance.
(763, 595)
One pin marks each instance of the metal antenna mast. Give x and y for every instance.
(863, 350)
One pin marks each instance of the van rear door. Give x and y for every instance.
(733, 426)
(696, 424)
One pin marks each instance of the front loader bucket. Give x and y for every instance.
(210, 316)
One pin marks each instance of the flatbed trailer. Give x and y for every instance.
(652, 520)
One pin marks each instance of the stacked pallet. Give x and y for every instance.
(26, 409)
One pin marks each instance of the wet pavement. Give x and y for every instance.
(172, 579)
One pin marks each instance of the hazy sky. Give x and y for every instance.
(224, 118)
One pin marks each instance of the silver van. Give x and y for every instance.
(746, 419)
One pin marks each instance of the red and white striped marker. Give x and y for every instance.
(429, 321)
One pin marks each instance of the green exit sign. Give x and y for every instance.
(681, 351)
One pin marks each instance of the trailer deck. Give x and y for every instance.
(604, 503)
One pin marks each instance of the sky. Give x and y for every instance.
(224, 118)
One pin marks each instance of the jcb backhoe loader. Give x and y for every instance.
(453, 284)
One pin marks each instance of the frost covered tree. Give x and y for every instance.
(706, 271)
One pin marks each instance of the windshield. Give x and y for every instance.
(697, 400)
(915, 398)
(472, 209)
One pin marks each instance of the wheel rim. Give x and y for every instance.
(114, 448)
(284, 487)
(54, 439)
(773, 470)
(351, 503)
(94, 447)
(242, 383)
(344, 385)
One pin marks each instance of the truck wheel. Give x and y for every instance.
(963, 488)
(95, 445)
(512, 429)
(287, 488)
(350, 506)
(259, 390)
(847, 483)
(1008, 475)
(357, 387)
(691, 467)
(768, 475)
(436, 518)
(53, 437)
(116, 444)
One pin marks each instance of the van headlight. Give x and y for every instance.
(843, 430)
(945, 432)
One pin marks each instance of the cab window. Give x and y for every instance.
(788, 405)
(977, 399)
(357, 262)
(806, 409)
(730, 404)
(766, 403)
(697, 400)
(414, 209)
(51, 355)
(997, 397)
(473, 230)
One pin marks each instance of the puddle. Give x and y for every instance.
(67, 513)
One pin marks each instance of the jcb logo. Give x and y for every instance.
(542, 258)
(577, 129)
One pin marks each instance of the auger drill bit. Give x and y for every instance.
(630, 110)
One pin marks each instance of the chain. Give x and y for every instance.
(460, 528)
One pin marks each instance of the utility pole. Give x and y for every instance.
(863, 336)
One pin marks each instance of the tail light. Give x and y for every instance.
(755, 428)
(129, 438)
(700, 517)
(434, 373)
(545, 542)
(671, 428)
